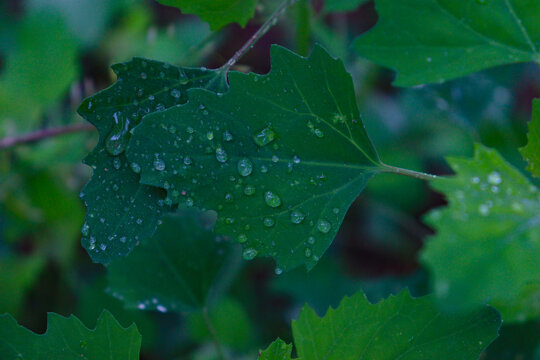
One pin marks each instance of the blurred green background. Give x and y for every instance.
(54, 53)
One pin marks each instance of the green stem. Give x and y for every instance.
(212, 332)
(272, 20)
(38, 135)
(410, 173)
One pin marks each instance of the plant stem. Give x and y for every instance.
(212, 331)
(272, 20)
(410, 173)
(38, 135)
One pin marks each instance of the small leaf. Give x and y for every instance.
(217, 13)
(121, 211)
(68, 338)
(399, 327)
(182, 268)
(278, 350)
(531, 152)
(280, 157)
(487, 244)
(429, 41)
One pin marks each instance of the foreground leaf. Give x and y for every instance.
(429, 41)
(68, 338)
(121, 211)
(487, 244)
(281, 157)
(217, 13)
(181, 268)
(399, 327)
(278, 350)
(531, 152)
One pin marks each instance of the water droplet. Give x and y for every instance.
(297, 217)
(269, 222)
(85, 229)
(159, 164)
(249, 190)
(278, 271)
(323, 226)
(187, 160)
(161, 309)
(210, 135)
(175, 93)
(242, 238)
(264, 136)
(311, 240)
(136, 168)
(221, 155)
(119, 135)
(245, 167)
(307, 252)
(483, 209)
(249, 254)
(227, 136)
(319, 133)
(272, 199)
(494, 178)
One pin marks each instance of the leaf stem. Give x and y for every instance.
(212, 331)
(272, 20)
(406, 172)
(38, 135)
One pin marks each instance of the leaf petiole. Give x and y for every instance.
(411, 173)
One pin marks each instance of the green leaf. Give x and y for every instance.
(278, 350)
(280, 156)
(487, 244)
(182, 268)
(68, 338)
(429, 41)
(231, 325)
(217, 13)
(121, 211)
(17, 276)
(531, 152)
(38, 72)
(342, 5)
(399, 327)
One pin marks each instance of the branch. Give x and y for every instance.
(272, 20)
(8, 142)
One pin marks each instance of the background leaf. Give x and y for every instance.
(531, 152)
(490, 229)
(278, 350)
(429, 41)
(121, 211)
(280, 157)
(68, 338)
(182, 268)
(217, 13)
(398, 327)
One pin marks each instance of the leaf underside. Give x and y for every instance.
(280, 157)
(428, 41)
(491, 228)
(180, 268)
(68, 338)
(120, 210)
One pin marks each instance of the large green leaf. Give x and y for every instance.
(217, 13)
(400, 327)
(487, 244)
(68, 338)
(278, 350)
(342, 5)
(181, 268)
(531, 152)
(280, 157)
(121, 211)
(436, 40)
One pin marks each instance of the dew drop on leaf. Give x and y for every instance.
(323, 226)
(268, 222)
(245, 167)
(249, 254)
(221, 155)
(272, 199)
(264, 136)
(297, 217)
(159, 164)
(118, 137)
(249, 190)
